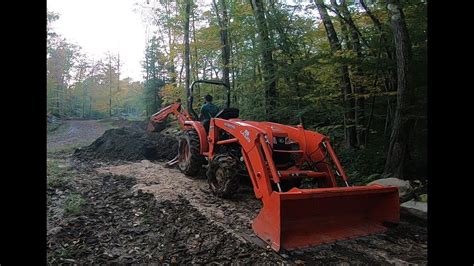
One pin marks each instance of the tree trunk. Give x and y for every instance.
(225, 49)
(186, 51)
(110, 86)
(172, 67)
(58, 108)
(391, 77)
(398, 151)
(268, 65)
(83, 103)
(353, 43)
(118, 72)
(195, 59)
(348, 100)
(359, 101)
(232, 62)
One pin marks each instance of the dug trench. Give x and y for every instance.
(136, 210)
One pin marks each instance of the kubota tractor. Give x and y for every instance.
(277, 158)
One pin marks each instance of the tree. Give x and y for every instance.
(346, 90)
(398, 150)
(110, 85)
(155, 75)
(59, 66)
(187, 12)
(268, 65)
(51, 35)
(390, 79)
(225, 46)
(353, 44)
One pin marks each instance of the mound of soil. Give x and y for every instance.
(130, 144)
(141, 125)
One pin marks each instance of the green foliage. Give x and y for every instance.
(73, 203)
(154, 66)
(54, 126)
(362, 166)
(308, 76)
(58, 173)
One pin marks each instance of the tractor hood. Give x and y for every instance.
(277, 133)
(271, 129)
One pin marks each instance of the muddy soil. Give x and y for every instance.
(142, 212)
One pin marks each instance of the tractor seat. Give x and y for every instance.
(228, 113)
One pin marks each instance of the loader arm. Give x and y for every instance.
(300, 217)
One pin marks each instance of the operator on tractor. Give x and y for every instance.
(208, 110)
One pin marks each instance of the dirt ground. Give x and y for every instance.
(143, 212)
(75, 132)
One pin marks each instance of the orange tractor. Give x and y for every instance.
(277, 158)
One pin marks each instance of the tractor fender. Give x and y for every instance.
(196, 125)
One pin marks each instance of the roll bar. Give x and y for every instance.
(210, 81)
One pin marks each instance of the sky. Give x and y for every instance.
(99, 26)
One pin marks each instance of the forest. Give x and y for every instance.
(355, 71)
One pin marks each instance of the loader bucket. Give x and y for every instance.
(308, 217)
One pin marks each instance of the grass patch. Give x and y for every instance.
(67, 149)
(136, 118)
(362, 166)
(56, 127)
(52, 127)
(58, 173)
(73, 203)
(107, 123)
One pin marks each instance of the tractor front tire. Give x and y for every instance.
(222, 175)
(190, 160)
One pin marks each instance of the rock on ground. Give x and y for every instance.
(404, 186)
(416, 208)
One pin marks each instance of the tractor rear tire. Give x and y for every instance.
(222, 175)
(190, 160)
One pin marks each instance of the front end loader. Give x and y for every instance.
(306, 195)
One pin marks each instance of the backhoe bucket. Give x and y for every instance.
(308, 217)
(154, 126)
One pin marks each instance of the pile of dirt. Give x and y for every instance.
(141, 125)
(130, 144)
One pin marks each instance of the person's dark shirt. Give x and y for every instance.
(209, 110)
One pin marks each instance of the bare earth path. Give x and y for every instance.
(74, 132)
(142, 212)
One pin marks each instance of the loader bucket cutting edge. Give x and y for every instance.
(308, 217)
